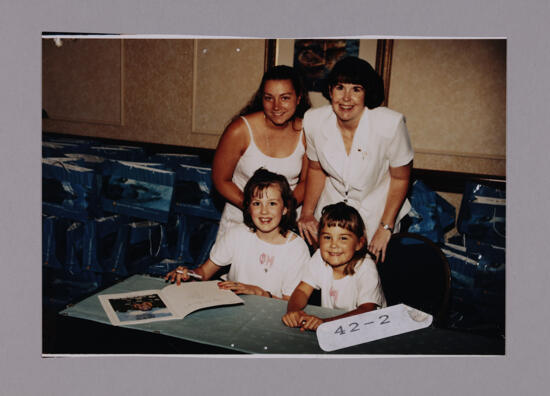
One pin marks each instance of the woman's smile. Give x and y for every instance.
(279, 101)
(348, 101)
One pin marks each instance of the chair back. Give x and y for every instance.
(416, 273)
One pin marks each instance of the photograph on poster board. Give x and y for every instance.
(171, 302)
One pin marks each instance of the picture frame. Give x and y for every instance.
(378, 52)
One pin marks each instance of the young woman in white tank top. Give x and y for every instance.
(266, 133)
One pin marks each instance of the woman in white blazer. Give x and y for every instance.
(359, 153)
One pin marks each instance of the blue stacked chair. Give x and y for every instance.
(476, 256)
(196, 213)
(477, 259)
(110, 211)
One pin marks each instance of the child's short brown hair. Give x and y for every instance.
(347, 217)
(260, 180)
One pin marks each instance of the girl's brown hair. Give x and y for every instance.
(261, 180)
(347, 217)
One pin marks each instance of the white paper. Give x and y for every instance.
(370, 326)
(172, 302)
(198, 295)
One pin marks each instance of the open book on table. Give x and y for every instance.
(171, 302)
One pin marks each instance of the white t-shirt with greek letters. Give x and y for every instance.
(275, 268)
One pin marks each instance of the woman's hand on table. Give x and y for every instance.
(308, 227)
(379, 243)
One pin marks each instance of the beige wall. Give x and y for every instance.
(452, 92)
(71, 90)
(453, 95)
(221, 91)
(142, 90)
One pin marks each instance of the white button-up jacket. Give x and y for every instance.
(362, 177)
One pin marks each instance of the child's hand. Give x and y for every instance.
(310, 322)
(292, 318)
(180, 274)
(241, 288)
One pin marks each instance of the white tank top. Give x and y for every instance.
(250, 161)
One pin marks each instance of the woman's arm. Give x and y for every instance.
(399, 184)
(232, 145)
(300, 189)
(315, 184)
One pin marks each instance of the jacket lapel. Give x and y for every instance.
(333, 148)
(360, 152)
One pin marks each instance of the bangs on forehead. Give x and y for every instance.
(345, 224)
(260, 188)
(348, 79)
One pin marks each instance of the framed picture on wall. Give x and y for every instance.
(315, 58)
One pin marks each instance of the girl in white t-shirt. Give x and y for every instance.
(341, 268)
(266, 257)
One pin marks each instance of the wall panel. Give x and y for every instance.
(221, 91)
(453, 94)
(80, 86)
(152, 99)
(172, 91)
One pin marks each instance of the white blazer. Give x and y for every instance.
(362, 178)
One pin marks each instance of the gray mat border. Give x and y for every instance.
(522, 371)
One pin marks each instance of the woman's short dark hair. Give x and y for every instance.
(280, 72)
(347, 217)
(260, 181)
(352, 70)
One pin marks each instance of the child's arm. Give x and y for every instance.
(367, 307)
(206, 271)
(311, 322)
(298, 300)
(243, 288)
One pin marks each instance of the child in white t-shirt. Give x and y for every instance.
(266, 257)
(341, 268)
